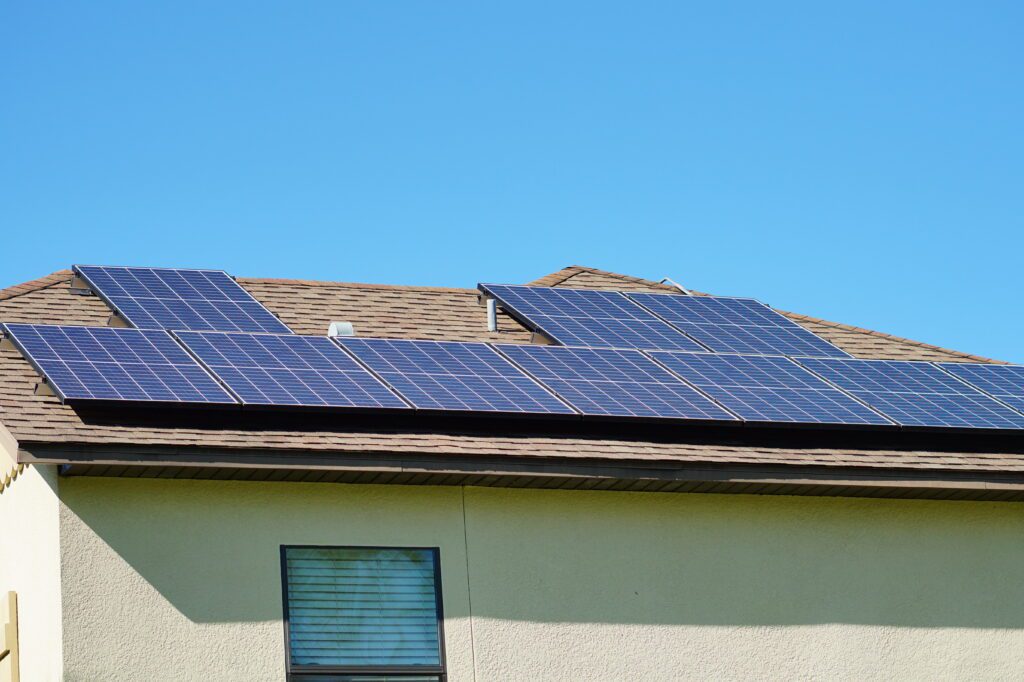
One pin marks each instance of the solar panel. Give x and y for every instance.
(602, 381)
(583, 317)
(915, 393)
(198, 300)
(761, 388)
(104, 363)
(736, 325)
(288, 369)
(449, 375)
(1005, 382)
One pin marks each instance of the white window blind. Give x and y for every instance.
(363, 609)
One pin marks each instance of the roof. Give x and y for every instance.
(42, 423)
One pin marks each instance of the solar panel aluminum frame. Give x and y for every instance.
(121, 316)
(801, 426)
(572, 415)
(547, 339)
(645, 419)
(942, 366)
(676, 325)
(291, 407)
(917, 428)
(8, 340)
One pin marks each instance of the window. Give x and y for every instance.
(363, 614)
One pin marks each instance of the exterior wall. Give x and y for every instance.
(30, 566)
(180, 580)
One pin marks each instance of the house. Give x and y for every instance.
(217, 544)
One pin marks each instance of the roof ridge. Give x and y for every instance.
(553, 279)
(556, 277)
(44, 282)
(349, 285)
(567, 273)
(901, 339)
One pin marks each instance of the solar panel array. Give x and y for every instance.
(198, 300)
(1005, 382)
(916, 393)
(609, 382)
(736, 325)
(287, 369)
(596, 319)
(761, 388)
(448, 375)
(619, 359)
(105, 363)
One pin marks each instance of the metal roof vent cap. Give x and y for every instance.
(341, 329)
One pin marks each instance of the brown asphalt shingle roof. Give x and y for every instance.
(428, 313)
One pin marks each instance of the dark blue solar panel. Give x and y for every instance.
(447, 375)
(104, 363)
(736, 325)
(763, 388)
(583, 317)
(1005, 382)
(915, 393)
(288, 369)
(198, 300)
(602, 381)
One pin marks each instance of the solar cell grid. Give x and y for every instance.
(626, 383)
(200, 300)
(449, 375)
(583, 317)
(915, 393)
(103, 363)
(1005, 382)
(736, 325)
(762, 388)
(288, 369)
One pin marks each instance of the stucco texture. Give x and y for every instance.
(30, 566)
(180, 580)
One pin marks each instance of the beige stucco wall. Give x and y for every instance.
(181, 580)
(30, 566)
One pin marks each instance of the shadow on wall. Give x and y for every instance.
(211, 549)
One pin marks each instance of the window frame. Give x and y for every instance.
(322, 673)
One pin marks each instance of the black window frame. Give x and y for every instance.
(331, 673)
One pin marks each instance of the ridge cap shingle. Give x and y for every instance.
(350, 285)
(553, 279)
(567, 273)
(44, 282)
(892, 337)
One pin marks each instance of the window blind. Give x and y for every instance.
(361, 608)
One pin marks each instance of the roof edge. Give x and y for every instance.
(403, 468)
(571, 271)
(47, 281)
(567, 273)
(893, 337)
(554, 279)
(350, 285)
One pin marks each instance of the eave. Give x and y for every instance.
(523, 472)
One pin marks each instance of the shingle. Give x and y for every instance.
(859, 342)
(399, 312)
(429, 313)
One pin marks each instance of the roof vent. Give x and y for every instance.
(341, 329)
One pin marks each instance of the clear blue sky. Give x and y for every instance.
(861, 163)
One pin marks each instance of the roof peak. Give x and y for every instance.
(565, 274)
(36, 284)
(561, 277)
